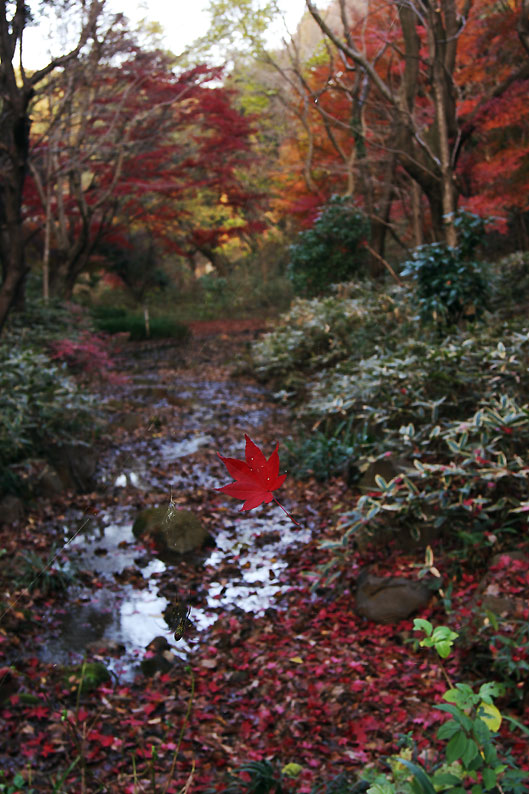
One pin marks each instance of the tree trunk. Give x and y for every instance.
(12, 176)
(17, 88)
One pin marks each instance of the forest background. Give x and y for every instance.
(368, 176)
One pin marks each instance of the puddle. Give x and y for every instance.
(122, 605)
(172, 450)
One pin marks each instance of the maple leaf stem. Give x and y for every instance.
(286, 511)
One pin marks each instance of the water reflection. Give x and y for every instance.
(121, 606)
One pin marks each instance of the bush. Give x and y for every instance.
(87, 355)
(319, 332)
(510, 284)
(332, 251)
(423, 383)
(474, 493)
(39, 402)
(324, 455)
(115, 322)
(450, 285)
(103, 312)
(40, 322)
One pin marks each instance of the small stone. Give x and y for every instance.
(11, 510)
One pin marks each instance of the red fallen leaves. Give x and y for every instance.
(255, 478)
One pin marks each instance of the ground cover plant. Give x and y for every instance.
(450, 282)
(40, 403)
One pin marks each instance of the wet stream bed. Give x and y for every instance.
(170, 421)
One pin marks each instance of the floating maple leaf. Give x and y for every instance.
(255, 478)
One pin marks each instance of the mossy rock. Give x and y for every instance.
(88, 675)
(29, 700)
(173, 531)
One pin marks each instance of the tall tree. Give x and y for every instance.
(423, 100)
(17, 89)
(493, 81)
(133, 144)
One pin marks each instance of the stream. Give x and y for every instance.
(170, 459)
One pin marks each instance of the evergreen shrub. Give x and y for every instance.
(332, 250)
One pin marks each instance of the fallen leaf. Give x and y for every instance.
(256, 478)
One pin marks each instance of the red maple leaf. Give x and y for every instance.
(255, 478)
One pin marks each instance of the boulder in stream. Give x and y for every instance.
(173, 531)
(88, 676)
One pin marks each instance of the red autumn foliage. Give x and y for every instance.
(155, 146)
(256, 478)
(88, 354)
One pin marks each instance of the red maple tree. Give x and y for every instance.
(135, 143)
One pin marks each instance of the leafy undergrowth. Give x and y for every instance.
(308, 683)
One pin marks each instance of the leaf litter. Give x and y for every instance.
(303, 680)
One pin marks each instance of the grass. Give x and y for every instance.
(117, 320)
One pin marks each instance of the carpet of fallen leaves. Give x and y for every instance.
(308, 682)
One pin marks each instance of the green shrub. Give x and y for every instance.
(319, 332)
(39, 402)
(103, 312)
(134, 324)
(470, 761)
(324, 455)
(450, 284)
(422, 383)
(40, 323)
(474, 494)
(332, 251)
(510, 284)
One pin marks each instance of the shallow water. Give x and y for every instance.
(122, 606)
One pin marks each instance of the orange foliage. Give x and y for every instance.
(494, 110)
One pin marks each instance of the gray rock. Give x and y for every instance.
(173, 531)
(47, 483)
(388, 599)
(11, 510)
(75, 462)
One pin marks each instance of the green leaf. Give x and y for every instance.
(456, 747)
(447, 730)
(458, 715)
(519, 725)
(420, 775)
(422, 625)
(489, 690)
(470, 752)
(481, 731)
(445, 779)
(463, 696)
(489, 778)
